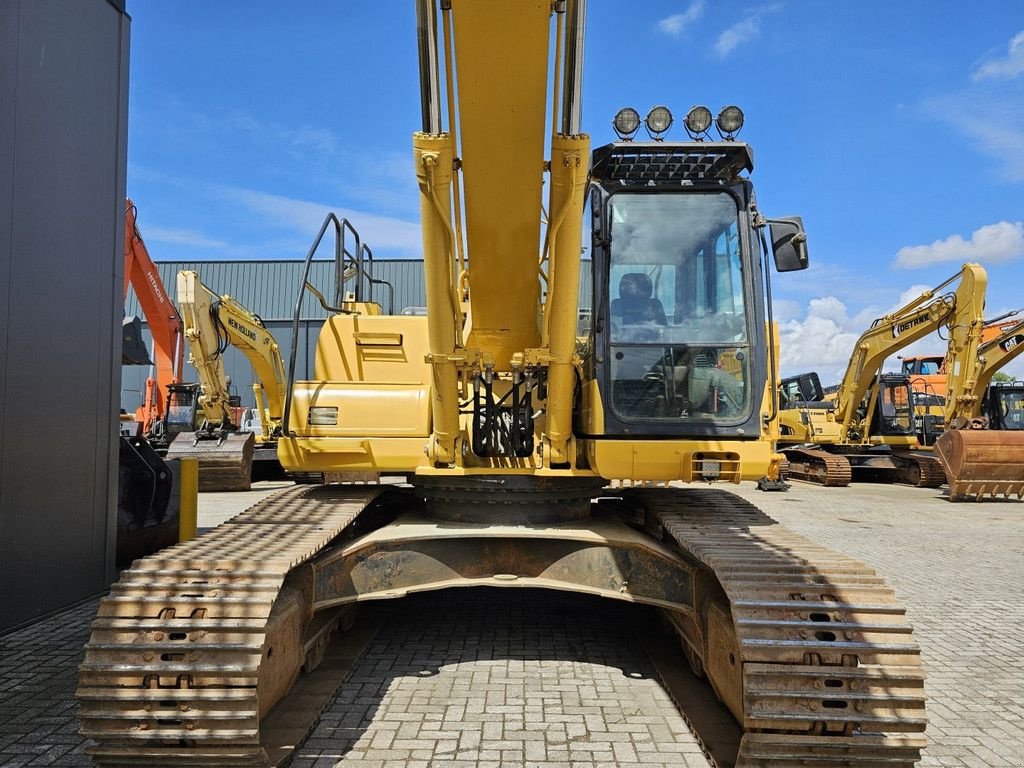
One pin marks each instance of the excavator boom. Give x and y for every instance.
(164, 322)
(980, 460)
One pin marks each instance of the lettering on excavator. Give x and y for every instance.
(242, 329)
(1012, 342)
(906, 326)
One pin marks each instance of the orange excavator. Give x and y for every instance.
(164, 325)
(147, 517)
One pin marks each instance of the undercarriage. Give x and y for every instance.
(839, 465)
(807, 648)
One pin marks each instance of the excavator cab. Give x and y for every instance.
(800, 390)
(894, 416)
(182, 410)
(1003, 405)
(679, 310)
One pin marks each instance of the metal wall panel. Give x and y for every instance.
(269, 288)
(236, 365)
(63, 134)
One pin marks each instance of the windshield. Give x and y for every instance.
(677, 307)
(922, 367)
(894, 406)
(1012, 408)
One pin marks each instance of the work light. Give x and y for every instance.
(658, 121)
(626, 123)
(697, 122)
(729, 121)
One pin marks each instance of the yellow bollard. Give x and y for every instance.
(188, 506)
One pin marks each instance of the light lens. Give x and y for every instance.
(626, 121)
(698, 120)
(323, 416)
(730, 119)
(658, 120)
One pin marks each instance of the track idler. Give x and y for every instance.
(982, 462)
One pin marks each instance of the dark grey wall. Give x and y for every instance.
(63, 138)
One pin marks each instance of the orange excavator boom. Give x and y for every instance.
(161, 315)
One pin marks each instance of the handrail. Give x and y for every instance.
(376, 281)
(342, 257)
(338, 229)
(339, 261)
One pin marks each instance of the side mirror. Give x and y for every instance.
(789, 244)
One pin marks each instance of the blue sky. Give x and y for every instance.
(895, 129)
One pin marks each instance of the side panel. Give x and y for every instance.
(64, 83)
(371, 394)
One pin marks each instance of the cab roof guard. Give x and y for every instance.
(662, 161)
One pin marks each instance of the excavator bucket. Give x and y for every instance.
(982, 462)
(133, 348)
(224, 464)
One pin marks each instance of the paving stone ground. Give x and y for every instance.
(495, 677)
(511, 678)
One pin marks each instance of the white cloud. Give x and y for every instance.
(677, 23)
(738, 33)
(993, 121)
(187, 237)
(387, 235)
(743, 31)
(823, 339)
(990, 111)
(1007, 67)
(994, 243)
(821, 342)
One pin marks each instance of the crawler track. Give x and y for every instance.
(178, 666)
(830, 674)
(171, 669)
(836, 470)
(819, 467)
(922, 470)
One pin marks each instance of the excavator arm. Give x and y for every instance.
(993, 354)
(214, 322)
(979, 458)
(164, 322)
(959, 310)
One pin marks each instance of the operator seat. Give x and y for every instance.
(635, 304)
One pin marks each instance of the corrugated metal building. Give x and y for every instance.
(269, 289)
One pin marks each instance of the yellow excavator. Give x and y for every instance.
(226, 453)
(510, 432)
(868, 429)
(929, 374)
(981, 448)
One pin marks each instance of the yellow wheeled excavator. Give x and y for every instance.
(867, 429)
(981, 448)
(224, 451)
(510, 431)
